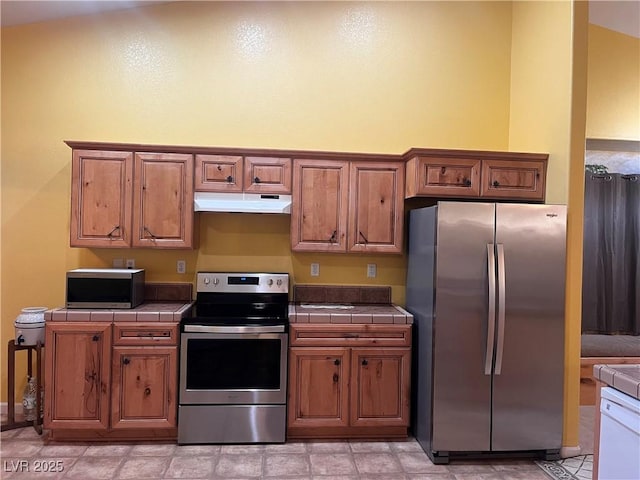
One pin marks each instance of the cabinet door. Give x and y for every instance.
(376, 207)
(320, 206)
(380, 382)
(443, 177)
(267, 175)
(144, 387)
(513, 179)
(218, 173)
(318, 387)
(77, 375)
(163, 200)
(101, 186)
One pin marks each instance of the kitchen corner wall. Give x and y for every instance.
(367, 77)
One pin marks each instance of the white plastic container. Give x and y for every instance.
(29, 326)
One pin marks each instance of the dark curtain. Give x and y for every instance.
(611, 272)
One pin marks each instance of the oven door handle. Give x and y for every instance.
(234, 329)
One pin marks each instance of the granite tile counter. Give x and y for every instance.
(345, 313)
(146, 312)
(345, 304)
(625, 378)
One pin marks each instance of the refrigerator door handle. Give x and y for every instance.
(501, 312)
(491, 316)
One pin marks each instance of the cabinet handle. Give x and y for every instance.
(363, 237)
(443, 170)
(365, 362)
(219, 168)
(256, 180)
(335, 378)
(496, 183)
(332, 239)
(147, 391)
(96, 338)
(153, 237)
(336, 361)
(126, 361)
(230, 179)
(110, 234)
(467, 182)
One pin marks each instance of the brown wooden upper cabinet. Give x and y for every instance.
(511, 179)
(476, 174)
(319, 205)
(236, 174)
(347, 206)
(443, 177)
(123, 199)
(376, 207)
(101, 189)
(163, 200)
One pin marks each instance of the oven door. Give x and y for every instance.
(224, 366)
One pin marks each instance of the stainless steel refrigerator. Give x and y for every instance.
(486, 286)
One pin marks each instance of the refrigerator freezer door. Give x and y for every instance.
(528, 390)
(461, 390)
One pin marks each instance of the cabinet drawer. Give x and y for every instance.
(509, 179)
(322, 335)
(152, 333)
(441, 177)
(218, 173)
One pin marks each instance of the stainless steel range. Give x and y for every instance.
(233, 360)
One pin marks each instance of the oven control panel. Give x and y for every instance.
(242, 282)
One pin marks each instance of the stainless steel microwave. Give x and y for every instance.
(105, 288)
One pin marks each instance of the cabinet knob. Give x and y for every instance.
(230, 179)
(467, 182)
(332, 239)
(336, 361)
(126, 361)
(96, 338)
(365, 362)
(147, 391)
(496, 183)
(256, 180)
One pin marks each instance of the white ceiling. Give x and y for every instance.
(620, 15)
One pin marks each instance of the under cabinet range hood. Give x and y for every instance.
(241, 202)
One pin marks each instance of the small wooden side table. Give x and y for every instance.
(11, 390)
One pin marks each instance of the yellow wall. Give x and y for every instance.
(613, 95)
(548, 95)
(376, 77)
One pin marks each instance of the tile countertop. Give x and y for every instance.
(146, 312)
(625, 378)
(346, 313)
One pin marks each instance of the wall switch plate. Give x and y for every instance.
(181, 266)
(131, 263)
(315, 269)
(371, 270)
(118, 263)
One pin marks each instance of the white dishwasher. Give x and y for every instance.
(619, 436)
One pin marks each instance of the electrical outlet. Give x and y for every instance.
(131, 263)
(371, 270)
(315, 269)
(118, 263)
(181, 266)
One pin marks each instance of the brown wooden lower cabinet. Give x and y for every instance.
(358, 388)
(102, 383)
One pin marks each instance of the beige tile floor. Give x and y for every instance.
(23, 451)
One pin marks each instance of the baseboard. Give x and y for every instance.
(568, 452)
(4, 408)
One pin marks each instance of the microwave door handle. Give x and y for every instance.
(491, 314)
(501, 312)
